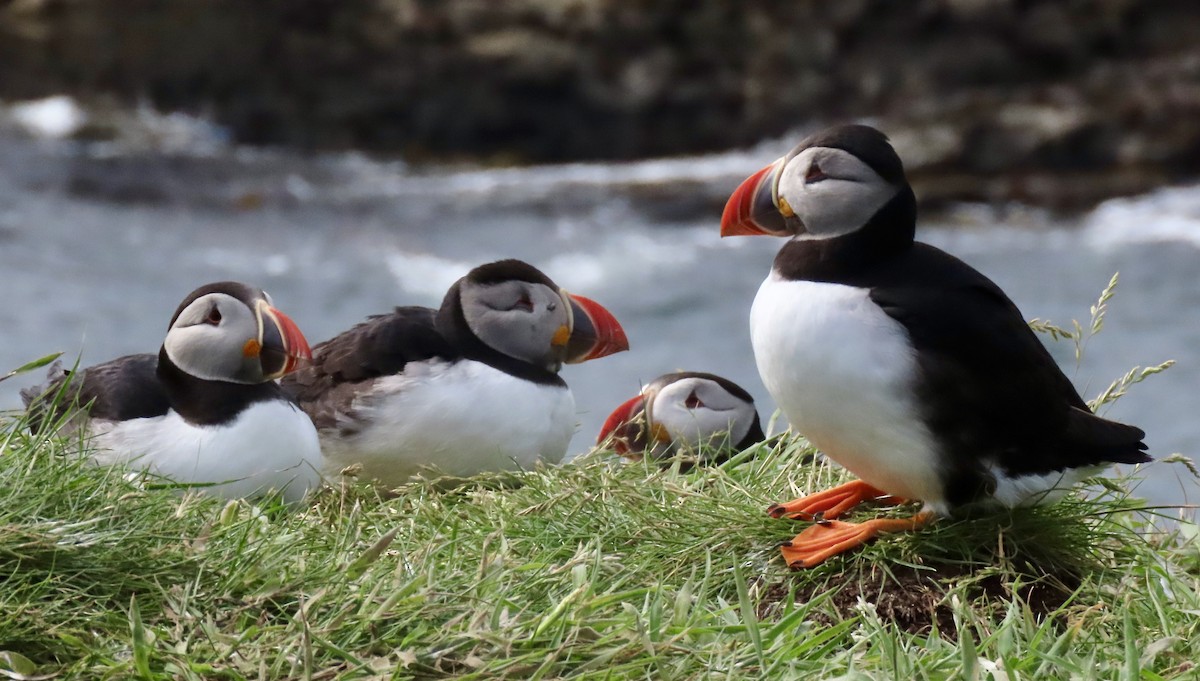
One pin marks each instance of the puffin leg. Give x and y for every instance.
(819, 542)
(832, 502)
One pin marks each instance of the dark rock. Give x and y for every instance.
(1099, 92)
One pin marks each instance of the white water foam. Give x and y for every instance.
(55, 117)
(1170, 214)
(374, 178)
(425, 274)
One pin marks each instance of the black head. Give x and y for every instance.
(865, 143)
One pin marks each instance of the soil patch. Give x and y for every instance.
(916, 599)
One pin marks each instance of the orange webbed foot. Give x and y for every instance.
(818, 543)
(832, 502)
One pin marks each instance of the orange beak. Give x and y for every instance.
(284, 348)
(752, 209)
(621, 429)
(595, 332)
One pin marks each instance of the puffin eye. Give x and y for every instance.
(524, 303)
(814, 174)
(214, 316)
(692, 401)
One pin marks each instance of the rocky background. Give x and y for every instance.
(1057, 103)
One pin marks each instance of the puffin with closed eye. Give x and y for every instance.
(206, 410)
(470, 387)
(689, 412)
(898, 361)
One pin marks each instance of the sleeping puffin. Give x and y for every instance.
(898, 361)
(472, 386)
(689, 411)
(206, 410)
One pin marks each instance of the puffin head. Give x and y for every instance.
(515, 309)
(230, 332)
(833, 183)
(687, 410)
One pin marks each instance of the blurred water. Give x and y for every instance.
(98, 245)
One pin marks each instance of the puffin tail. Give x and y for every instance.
(1099, 440)
(37, 398)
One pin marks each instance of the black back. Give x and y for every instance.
(990, 388)
(143, 386)
(124, 388)
(352, 361)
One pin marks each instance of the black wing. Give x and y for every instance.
(994, 390)
(350, 362)
(125, 388)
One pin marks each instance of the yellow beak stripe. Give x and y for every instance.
(561, 336)
(252, 348)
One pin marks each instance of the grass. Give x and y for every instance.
(592, 570)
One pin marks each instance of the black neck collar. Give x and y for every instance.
(753, 436)
(887, 234)
(208, 403)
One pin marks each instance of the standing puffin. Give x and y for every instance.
(472, 386)
(897, 360)
(695, 412)
(206, 410)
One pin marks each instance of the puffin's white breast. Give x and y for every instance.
(842, 371)
(270, 445)
(461, 417)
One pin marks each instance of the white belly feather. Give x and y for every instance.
(462, 418)
(270, 445)
(843, 372)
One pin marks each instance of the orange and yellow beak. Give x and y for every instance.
(623, 429)
(282, 348)
(594, 331)
(754, 208)
(631, 431)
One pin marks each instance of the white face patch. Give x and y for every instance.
(517, 318)
(209, 337)
(697, 411)
(831, 191)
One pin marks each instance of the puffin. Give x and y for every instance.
(206, 411)
(693, 412)
(470, 387)
(898, 361)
